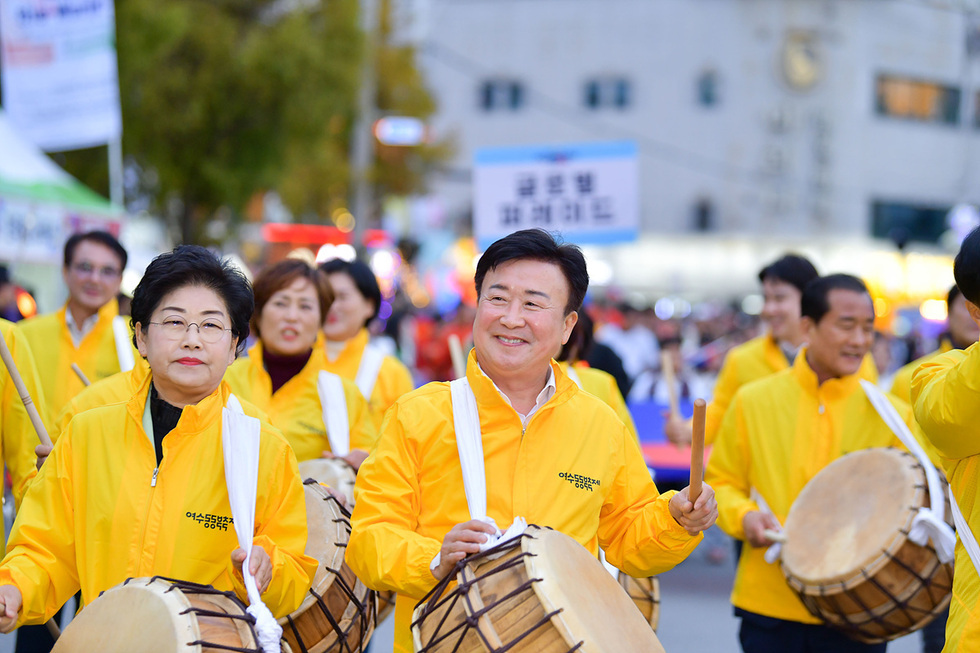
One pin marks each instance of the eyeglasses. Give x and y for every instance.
(106, 272)
(174, 328)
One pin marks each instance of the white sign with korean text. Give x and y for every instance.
(587, 192)
(60, 80)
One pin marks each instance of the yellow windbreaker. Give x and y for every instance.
(410, 489)
(902, 381)
(114, 389)
(752, 360)
(777, 434)
(94, 517)
(18, 438)
(946, 391)
(603, 385)
(394, 379)
(54, 353)
(295, 408)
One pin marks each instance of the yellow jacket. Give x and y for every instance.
(295, 408)
(54, 353)
(946, 391)
(394, 379)
(777, 434)
(603, 385)
(409, 492)
(752, 360)
(902, 381)
(18, 438)
(93, 517)
(114, 389)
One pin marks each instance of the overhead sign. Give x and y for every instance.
(587, 192)
(399, 130)
(60, 81)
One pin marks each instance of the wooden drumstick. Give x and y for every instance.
(8, 360)
(667, 365)
(774, 536)
(80, 374)
(697, 451)
(456, 353)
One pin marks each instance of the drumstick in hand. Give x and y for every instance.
(697, 451)
(8, 360)
(80, 374)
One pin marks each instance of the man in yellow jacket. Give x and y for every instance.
(87, 330)
(139, 488)
(539, 433)
(777, 434)
(946, 394)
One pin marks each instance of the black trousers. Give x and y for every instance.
(760, 634)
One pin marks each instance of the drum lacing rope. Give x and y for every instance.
(358, 621)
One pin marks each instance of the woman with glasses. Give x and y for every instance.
(138, 488)
(357, 297)
(285, 376)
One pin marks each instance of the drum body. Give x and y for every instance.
(335, 472)
(847, 554)
(645, 594)
(540, 592)
(158, 615)
(338, 612)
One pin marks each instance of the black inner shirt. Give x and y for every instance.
(164, 417)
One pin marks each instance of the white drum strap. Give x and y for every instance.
(333, 403)
(368, 370)
(124, 343)
(776, 548)
(928, 522)
(573, 375)
(469, 443)
(240, 445)
(965, 534)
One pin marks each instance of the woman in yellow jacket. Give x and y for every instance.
(138, 488)
(282, 374)
(357, 298)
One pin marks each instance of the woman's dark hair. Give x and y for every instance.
(581, 340)
(538, 245)
(363, 277)
(192, 265)
(280, 275)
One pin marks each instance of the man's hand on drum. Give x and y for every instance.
(260, 565)
(698, 516)
(355, 458)
(755, 523)
(10, 602)
(677, 429)
(461, 541)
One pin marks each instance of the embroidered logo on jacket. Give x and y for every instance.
(579, 481)
(215, 522)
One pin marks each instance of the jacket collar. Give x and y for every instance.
(486, 392)
(194, 418)
(831, 389)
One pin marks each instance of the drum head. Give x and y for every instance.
(594, 608)
(335, 472)
(849, 513)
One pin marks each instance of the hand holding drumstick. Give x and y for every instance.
(694, 507)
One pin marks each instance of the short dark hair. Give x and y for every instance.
(193, 265)
(581, 340)
(792, 269)
(954, 292)
(966, 267)
(280, 275)
(101, 237)
(363, 278)
(538, 245)
(815, 302)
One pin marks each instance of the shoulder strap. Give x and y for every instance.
(367, 371)
(124, 343)
(965, 534)
(571, 373)
(928, 522)
(333, 403)
(240, 436)
(469, 443)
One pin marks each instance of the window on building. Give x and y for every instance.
(900, 97)
(501, 95)
(607, 92)
(704, 215)
(708, 88)
(903, 222)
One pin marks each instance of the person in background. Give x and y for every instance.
(88, 330)
(633, 342)
(281, 374)
(381, 378)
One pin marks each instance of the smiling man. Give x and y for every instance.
(412, 523)
(777, 434)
